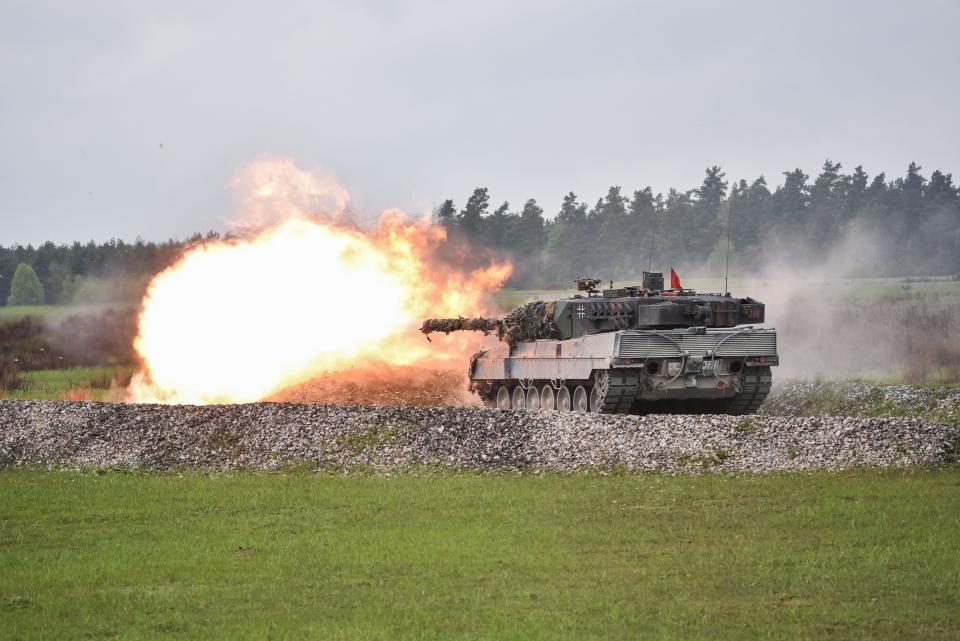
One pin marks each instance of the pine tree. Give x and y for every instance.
(641, 227)
(711, 193)
(673, 245)
(470, 219)
(825, 211)
(446, 214)
(529, 234)
(940, 227)
(497, 227)
(528, 239)
(790, 203)
(911, 189)
(941, 190)
(614, 236)
(567, 249)
(756, 220)
(706, 226)
(877, 189)
(736, 211)
(856, 196)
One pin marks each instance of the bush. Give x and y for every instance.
(9, 376)
(932, 353)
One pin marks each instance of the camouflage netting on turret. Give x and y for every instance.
(526, 323)
(530, 322)
(447, 325)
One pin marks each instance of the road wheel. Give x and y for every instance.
(503, 398)
(596, 399)
(548, 400)
(519, 398)
(533, 398)
(564, 404)
(581, 402)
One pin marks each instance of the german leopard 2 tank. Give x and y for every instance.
(637, 349)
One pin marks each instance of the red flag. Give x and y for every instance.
(674, 279)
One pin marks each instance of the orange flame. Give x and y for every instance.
(239, 320)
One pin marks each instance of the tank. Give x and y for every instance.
(632, 350)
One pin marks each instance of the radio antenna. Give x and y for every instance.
(653, 238)
(726, 270)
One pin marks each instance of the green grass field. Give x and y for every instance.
(86, 383)
(857, 555)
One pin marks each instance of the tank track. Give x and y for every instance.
(619, 390)
(756, 386)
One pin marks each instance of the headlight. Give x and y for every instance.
(673, 368)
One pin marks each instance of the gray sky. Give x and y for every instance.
(411, 102)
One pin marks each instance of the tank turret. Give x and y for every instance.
(610, 310)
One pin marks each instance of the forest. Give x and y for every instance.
(111, 272)
(912, 222)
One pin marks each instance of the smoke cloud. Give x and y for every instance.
(836, 322)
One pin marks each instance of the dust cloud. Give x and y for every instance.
(835, 321)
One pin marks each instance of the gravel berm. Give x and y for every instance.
(65, 434)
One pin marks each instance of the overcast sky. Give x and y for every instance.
(411, 102)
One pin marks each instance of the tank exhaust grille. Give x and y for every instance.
(647, 344)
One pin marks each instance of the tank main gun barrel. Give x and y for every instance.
(461, 324)
(528, 322)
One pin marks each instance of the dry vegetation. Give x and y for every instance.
(932, 349)
(903, 336)
(384, 386)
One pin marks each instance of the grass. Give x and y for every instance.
(57, 311)
(19, 311)
(867, 554)
(936, 377)
(78, 383)
(936, 404)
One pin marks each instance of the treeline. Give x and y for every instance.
(110, 272)
(916, 218)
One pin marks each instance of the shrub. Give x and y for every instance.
(932, 353)
(9, 376)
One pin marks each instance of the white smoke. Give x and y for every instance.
(833, 320)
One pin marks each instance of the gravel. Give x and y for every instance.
(66, 434)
